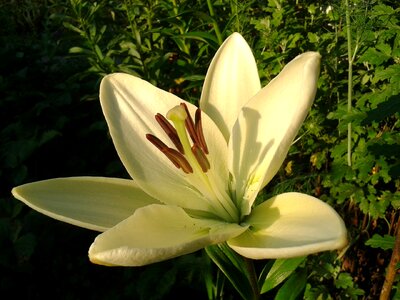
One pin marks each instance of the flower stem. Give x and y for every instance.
(350, 79)
(391, 270)
(238, 270)
(251, 272)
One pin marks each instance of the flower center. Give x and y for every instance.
(191, 157)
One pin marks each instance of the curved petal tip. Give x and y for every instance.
(290, 225)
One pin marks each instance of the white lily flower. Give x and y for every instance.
(195, 182)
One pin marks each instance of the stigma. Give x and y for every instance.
(189, 155)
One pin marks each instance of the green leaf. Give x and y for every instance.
(201, 36)
(344, 281)
(396, 204)
(98, 52)
(374, 57)
(79, 50)
(280, 270)
(293, 286)
(392, 72)
(72, 27)
(377, 241)
(194, 77)
(383, 110)
(385, 48)
(235, 268)
(313, 38)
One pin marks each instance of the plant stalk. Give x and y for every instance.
(252, 278)
(392, 270)
(350, 58)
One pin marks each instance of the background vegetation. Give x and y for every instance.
(53, 55)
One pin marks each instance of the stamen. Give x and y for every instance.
(201, 158)
(199, 131)
(170, 131)
(174, 156)
(156, 142)
(195, 129)
(188, 157)
(192, 158)
(190, 126)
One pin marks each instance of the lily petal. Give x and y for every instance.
(96, 203)
(155, 233)
(290, 225)
(267, 125)
(231, 80)
(129, 105)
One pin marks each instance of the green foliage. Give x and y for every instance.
(54, 54)
(293, 287)
(236, 268)
(371, 183)
(278, 272)
(385, 242)
(345, 282)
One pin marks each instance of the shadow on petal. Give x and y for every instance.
(246, 154)
(288, 225)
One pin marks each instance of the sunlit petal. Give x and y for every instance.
(96, 203)
(232, 79)
(268, 124)
(289, 225)
(129, 105)
(156, 233)
(195, 182)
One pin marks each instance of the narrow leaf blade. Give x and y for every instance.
(280, 270)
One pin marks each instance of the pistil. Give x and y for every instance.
(187, 156)
(191, 156)
(183, 123)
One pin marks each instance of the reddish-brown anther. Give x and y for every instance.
(170, 131)
(194, 130)
(173, 155)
